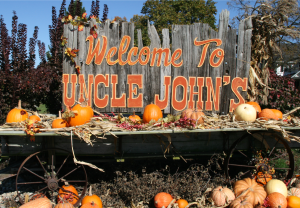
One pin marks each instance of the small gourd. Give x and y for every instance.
(59, 122)
(17, 114)
(134, 117)
(152, 112)
(222, 196)
(92, 199)
(83, 114)
(71, 196)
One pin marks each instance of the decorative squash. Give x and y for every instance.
(245, 112)
(222, 196)
(195, 115)
(241, 202)
(276, 185)
(277, 113)
(152, 111)
(59, 122)
(162, 199)
(251, 190)
(90, 205)
(263, 178)
(40, 203)
(276, 200)
(134, 118)
(295, 191)
(37, 196)
(267, 114)
(83, 114)
(92, 199)
(255, 105)
(64, 204)
(35, 118)
(71, 194)
(293, 202)
(17, 114)
(182, 203)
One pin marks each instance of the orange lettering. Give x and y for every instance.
(101, 103)
(112, 51)
(135, 102)
(162, 104)
(210, 93)
(133, 51)
(236, 83)
(88, 93)
(69, 101)
(116, 102)
(175, 56)
(159, 52)
(122, 50)
(144, 51)
(179, 105)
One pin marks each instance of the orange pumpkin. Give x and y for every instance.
(277, 113)
(152, 112)
(64, 204)
(295, 191)
(195, 115)
(182, 203)
(267, 114)
(40, 203)
(92, 199)
(162, 199)
(293, 202)
(134, 118)
(276, 200)
(253, 191)
(34, 118)
(71, 194)
(59, 122)
(241, 202)
(83, 114)
(255, 105)
(17, 114)
(90, 205)
(222, 196)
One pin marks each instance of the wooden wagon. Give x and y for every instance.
(241, 148)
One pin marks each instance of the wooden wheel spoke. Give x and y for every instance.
(34, 173)
(245, 173)
(282, 168)
(243, 154)
(26, 183)
(37, 157)
(69, 173)
(42, 189)
(238, 165)
(273, 148)
(62, 164)
(75, 181)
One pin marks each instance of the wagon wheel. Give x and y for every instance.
(246, 153)
(48, 179)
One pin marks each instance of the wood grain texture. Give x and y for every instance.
(236, 61)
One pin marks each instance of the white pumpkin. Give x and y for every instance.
(245, 112)
(276, 185)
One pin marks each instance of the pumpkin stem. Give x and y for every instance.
(90, 191)
(84, 103)
(133, 113)
(19, 104)
(59, 114)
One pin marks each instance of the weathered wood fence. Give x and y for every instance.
(237, 47)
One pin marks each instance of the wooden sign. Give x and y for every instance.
(202, 68)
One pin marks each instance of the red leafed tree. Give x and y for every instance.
(19, 79)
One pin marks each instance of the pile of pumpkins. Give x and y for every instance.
(66, 199)
(247, 193)
(250, 111)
